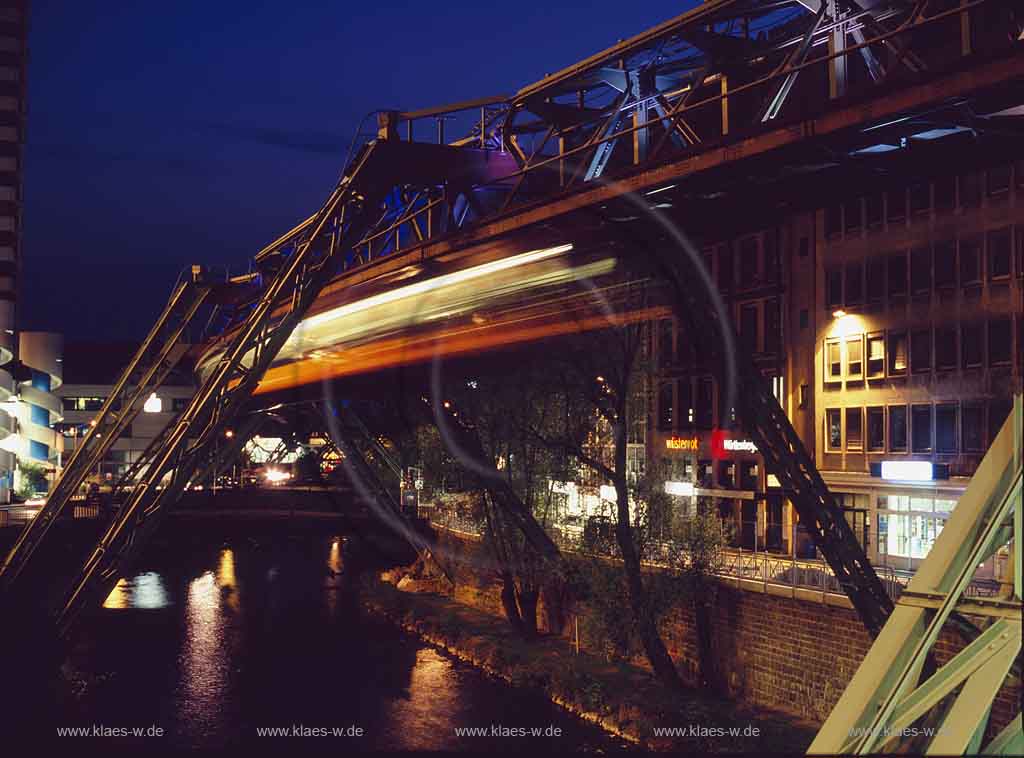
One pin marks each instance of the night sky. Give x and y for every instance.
(198, 133)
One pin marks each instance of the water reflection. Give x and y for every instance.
(142, 591)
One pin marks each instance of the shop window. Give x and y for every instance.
(876, 280)
(921, 428)
(898, 428)
(855, 357)
(921, 270)
(898, 274)
(972, 420)
(748, 327)
(945, 428)
(665, 407)
(897, 353)
(920, 197)
(970, 189)
(833, 361)
(873, 210)
(854, 429)
(704, 473)
(727, 474)
(834, 428)
(876, 429)
(748, 262)
(725, 268)
(876, 356)
(945, 192)
(921, 351)
(970, 261)
(998, 180)
(772, 326)
(945, 264)
(998, 245)
(833, 220)
(705, 403)
(945, 348)
(999, 342)
(998, 410)
(854, 283)
(896, 204)
(972, 345)
(833, 287)
(851, 215)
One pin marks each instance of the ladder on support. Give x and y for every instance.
(158, 355)
(886, 699)
(693, 298)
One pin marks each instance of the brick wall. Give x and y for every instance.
(784, 653)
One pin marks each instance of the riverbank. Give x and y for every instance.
(623, 699)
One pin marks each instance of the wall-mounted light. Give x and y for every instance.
(153, 404)
(838, 313)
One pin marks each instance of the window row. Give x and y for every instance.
(897, 352)
(746, 263)
(947, 428)
(943, 265)
(918, 199)
(758, 328)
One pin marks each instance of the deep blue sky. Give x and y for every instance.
(165, 134)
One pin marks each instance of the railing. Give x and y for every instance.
(776, 570)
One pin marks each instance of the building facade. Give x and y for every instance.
(91, 371)
(13, 60)
(889, 325)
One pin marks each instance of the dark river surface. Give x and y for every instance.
(215, 642)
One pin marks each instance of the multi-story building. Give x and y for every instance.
(13, 59)
(90, 372)
(917, 336)
(889, 324)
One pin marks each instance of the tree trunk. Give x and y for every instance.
(527, 597)
(643, 616)
(508, 602)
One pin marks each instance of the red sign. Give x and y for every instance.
(717, 444)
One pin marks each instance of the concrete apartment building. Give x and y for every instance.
(889, 324)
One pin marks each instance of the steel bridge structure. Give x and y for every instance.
(735, 104)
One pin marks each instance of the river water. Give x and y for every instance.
(214, 645)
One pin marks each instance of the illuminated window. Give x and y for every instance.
(876, 429)
(833, 361)
(855, 358)
(898, 428)
(854, 429)
(834, 428)
(684, 389)
(897, 353)
(876, 356)
(153, 404)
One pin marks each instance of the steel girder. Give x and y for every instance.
(885, 706)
